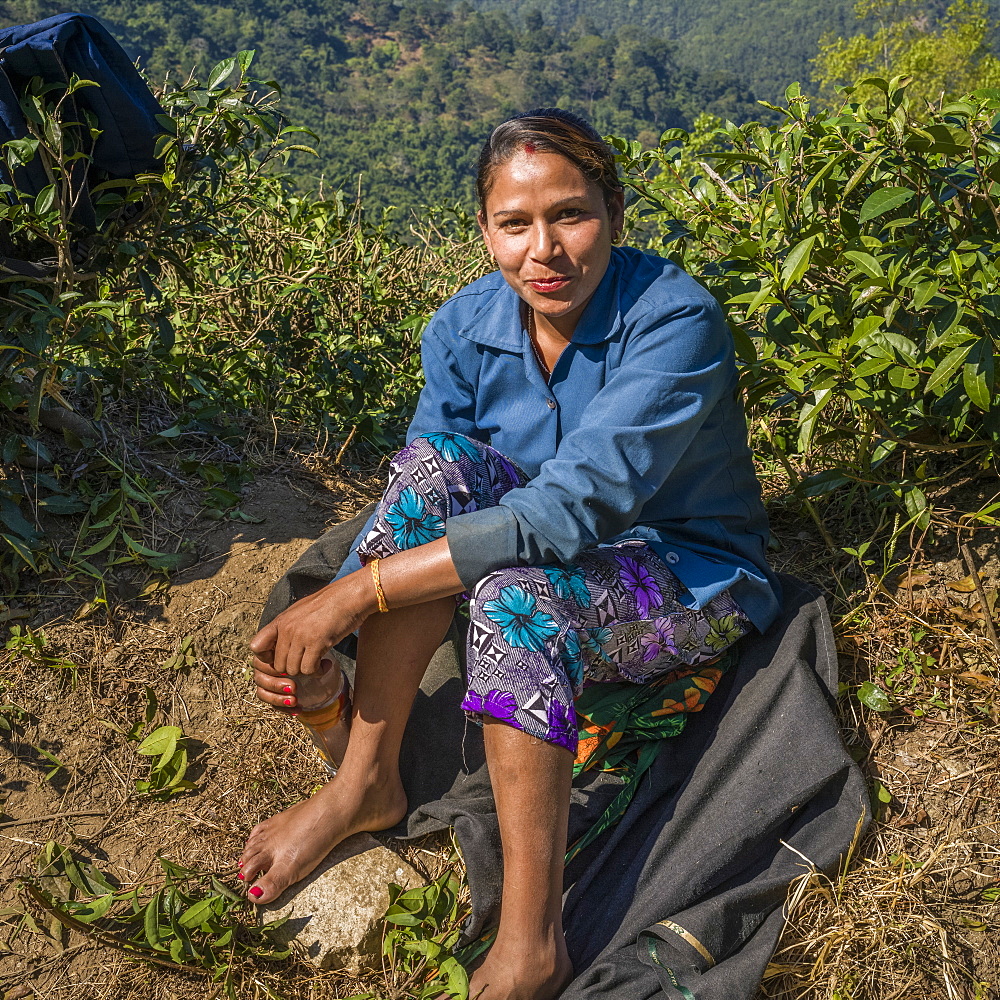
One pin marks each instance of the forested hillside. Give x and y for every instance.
(403, 94)
(766, 44)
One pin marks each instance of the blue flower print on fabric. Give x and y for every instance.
(569, 582)
(593, 641)
(520, 621)
(452, 447)
(571, 658)
(412, 524)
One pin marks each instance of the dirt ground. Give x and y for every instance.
(916, 916)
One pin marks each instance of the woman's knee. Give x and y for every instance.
(525, 578)
(438, 447)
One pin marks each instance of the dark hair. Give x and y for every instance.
(549, 130)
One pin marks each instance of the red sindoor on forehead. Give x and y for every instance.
(529, 147)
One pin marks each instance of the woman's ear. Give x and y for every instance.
(616, 214)
(481, 220)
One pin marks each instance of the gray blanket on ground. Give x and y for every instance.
(682, 898)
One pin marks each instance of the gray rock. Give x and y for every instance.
(335, 915)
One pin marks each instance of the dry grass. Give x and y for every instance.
(914, 912)
(913, 915)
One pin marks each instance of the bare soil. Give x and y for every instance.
(916, 916)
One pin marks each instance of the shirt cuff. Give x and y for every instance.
(482, 541)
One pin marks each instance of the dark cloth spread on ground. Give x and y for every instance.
(121, 105)
(681, 898)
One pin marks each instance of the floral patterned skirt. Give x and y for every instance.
(539, 634)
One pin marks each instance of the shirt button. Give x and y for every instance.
(550, 403)
(672, 558)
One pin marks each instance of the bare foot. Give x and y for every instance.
(524, 969)
(288, 846)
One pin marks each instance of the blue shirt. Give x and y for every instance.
(639, 433)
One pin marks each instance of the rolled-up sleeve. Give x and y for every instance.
(634, 431)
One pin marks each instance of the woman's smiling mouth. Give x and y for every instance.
(548, 284)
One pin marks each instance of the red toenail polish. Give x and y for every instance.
(286, 690)
(240, 876)
(288, 701)
(256, 892)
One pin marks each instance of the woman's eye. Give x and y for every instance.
(512, 224)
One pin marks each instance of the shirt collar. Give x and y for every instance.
(497, 320)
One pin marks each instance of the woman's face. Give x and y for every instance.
(551, 233)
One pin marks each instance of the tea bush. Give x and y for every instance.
(209, 301)
(855, 254)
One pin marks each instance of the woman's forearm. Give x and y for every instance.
(297, 639)
(417, 575)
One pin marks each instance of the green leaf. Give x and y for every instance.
(977, 375)
(872, 696)
(95, 909)
(865, 262)
(882, 793)
(864, 328)
(916, 503)
(245, 57)
(101, 545)
(151, 922)
(46, 199)
(62, 505)
(809, 415)
(221, 72)
(797, 262)
(196, 915)
(161, 741)
(947, 367)
(924, 292)
(455, 977)
(884, 200)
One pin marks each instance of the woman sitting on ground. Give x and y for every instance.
(577, 466)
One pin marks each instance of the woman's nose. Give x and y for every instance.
(545, 244)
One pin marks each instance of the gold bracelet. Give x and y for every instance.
(379, 592)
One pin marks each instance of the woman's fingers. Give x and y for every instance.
(277, 699)
(264, 662)
(276, 685)
(265, 639)
(312, 658)
(278, 692)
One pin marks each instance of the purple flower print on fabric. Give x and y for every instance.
(660, 640)
(562, 726)
(498, 704)
(639, 582)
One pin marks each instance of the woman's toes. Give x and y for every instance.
(253, 864)
(271, 885)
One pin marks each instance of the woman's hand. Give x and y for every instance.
(297, 640)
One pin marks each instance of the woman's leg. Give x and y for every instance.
(531, 786)
(435, 477)
(366, 794)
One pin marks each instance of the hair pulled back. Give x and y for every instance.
(549, 130)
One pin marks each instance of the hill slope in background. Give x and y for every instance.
(404, 94)
(764, 43)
